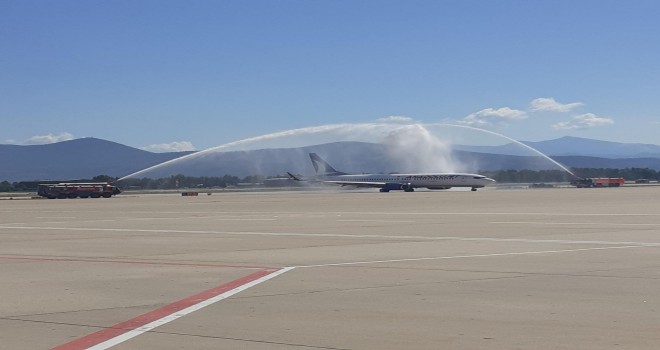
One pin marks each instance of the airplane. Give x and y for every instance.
(325, 173)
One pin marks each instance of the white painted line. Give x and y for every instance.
(248, 219)
(571, 223)
(215, 217)
(470, 256)
(378, 221)
(358, 213)
(332, 235)
(389, 214)
(55, 217)
(169, 318)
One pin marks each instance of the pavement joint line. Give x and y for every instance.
(128, 262)
(289, 345)
(134, 327)
(470, 256)
(299, 234)
(187, 335)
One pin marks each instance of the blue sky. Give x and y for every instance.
(197, 74)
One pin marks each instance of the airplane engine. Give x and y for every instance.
(438, 188)
(393, 186)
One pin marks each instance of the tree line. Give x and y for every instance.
(182, 181)
(172, 182)
(527, 176)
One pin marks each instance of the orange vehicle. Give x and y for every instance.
(608, 181)
(599, 182)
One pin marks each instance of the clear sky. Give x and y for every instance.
(184, 74)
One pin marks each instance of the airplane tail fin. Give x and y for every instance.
(322, 167)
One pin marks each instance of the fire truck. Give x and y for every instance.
(75, 190)
(598, 182)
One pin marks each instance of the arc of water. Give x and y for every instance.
(346, 128)
(518, 142)
(275, 135)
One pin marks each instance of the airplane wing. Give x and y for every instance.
(294, 177)
(357, 183)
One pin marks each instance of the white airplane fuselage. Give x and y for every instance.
(408, 181)
(325, 173)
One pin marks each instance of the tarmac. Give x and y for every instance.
(494, 269)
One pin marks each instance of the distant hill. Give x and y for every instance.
(75, 159)
(89, 157)
(574, 146)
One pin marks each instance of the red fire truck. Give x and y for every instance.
(599, 182)
(74, 190)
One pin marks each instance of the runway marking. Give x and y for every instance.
(472, 213)
(55, 217)
(376, 220)
(129, 262)
(127, 330)
(239, 219)
(160, 218)
(470, 256)
(213, 217)
(124, 331)
(214, 213)
(492, 213)
(571, 223)
(338, 235)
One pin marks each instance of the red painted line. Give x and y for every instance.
(132, 324)
(131, 262)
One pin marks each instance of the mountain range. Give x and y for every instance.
(574, 146)
(89, 157)
(75, 159)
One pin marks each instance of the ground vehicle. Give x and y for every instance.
(598, 182)
(74, 190)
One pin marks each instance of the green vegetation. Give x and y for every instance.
(627, 173)
(31, 186)
(172, 182)
(527, 176)
(179, 181)
(5, 186)
(502, 176)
